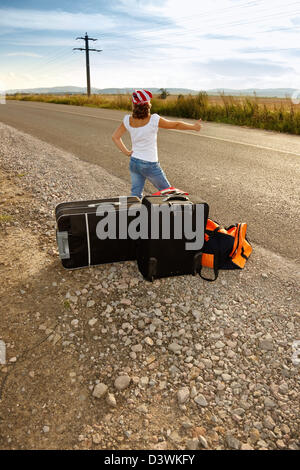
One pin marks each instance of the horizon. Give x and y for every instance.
(128, 90)
(229, 44)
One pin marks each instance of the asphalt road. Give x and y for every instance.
(246, 175)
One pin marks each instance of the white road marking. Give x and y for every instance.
(239, 142)
(176, 130)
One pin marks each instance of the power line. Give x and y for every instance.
(185, 34)
(166, 27)
(166, 30)
(87, 57)
(51, 59)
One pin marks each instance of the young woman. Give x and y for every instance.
(143, 128)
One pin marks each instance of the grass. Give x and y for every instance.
(5, 218)
(67, 304)
(276, 114)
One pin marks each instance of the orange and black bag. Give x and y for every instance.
(224, 248)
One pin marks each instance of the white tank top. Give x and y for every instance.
(144, 139)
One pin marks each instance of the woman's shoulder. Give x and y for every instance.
(126, 120)
(155, 118)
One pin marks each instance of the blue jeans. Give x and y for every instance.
(141, 170)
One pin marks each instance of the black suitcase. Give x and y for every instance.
(76, 234)
(158, 256)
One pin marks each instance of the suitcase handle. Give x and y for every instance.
(63, 245)
(176, 197)
(105, 203)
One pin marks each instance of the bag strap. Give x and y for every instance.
(198, 266)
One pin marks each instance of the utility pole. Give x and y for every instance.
(87, 58)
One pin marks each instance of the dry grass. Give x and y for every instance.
(278, 114)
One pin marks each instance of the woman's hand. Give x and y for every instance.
(130, 153)
(198, 125)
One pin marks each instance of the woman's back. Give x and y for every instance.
(143, 133)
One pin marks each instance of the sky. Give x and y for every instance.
(192, 44)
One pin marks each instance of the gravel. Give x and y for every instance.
(100, 390)
(181, 349)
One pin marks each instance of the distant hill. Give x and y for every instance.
(104, 91)
(266, 92)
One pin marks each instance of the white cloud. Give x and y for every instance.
(23, 54)
(168, 43)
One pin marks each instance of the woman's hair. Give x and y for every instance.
(140, 111)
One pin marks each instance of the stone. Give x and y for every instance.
(203, 442)
(137, 348)
(111, 400)
(269, 403)
(268, 422)
(280, 444)
(174, 347)
(174, 370)
(144, 381)
(96, 438)
(93, 321)
(283, 389)
(196, 315)
(189, 359)
(226, 377)
(122, 382)
(232, 442)
(285, 429)
(266, 343)
(246, 447)
(183, 395)
(90, 303)
(200, 400)
(254, 435)
(100, 390)
(192, 444)
(142, 409)
(149, 341)
(218, 311)
(174, 436)
(207, 363)
(46, 429)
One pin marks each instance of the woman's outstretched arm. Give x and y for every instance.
(116, 137)
(180, 125)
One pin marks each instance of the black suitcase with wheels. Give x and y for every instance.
(78, 242)
(169, 250)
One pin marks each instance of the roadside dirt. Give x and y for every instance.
(66, 332)
(45, 402)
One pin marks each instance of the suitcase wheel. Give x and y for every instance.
(152, 269)
(197, 263)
